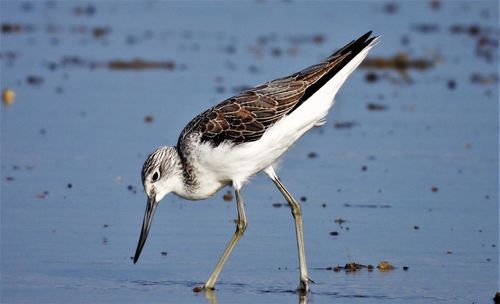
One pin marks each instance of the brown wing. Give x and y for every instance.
(246, 116)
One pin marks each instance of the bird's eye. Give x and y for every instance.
(155, 176)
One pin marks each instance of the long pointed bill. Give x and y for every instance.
(148, 219)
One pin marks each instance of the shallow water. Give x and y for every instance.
(416, 182)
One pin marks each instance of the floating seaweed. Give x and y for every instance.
(350, 267)
(400, 62)
(8, 97)
(140, 64)
(385, 266)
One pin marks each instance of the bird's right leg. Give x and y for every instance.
(241, 225)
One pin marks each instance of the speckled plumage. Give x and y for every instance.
(246, 116)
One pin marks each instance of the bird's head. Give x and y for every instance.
(161, 174)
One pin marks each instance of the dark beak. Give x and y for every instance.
(148, 219)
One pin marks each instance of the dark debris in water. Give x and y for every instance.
(72, 61)
(452, 84)
(132, 189)
(140, 64)
(367, 205)
(276, 46)
(9, 28)
(278, 205)
(486, 39)
(371, 77)
(435, 4)
(197, 289)
(354, 267)
(228, 196)
(400, 63)
(484, 79)
(34, 80)
(339, 221)
(84, 10)
(391, 8)
(344, 124)
(305, 39)
(425, 28)
(99, 32)
(312, 155)
(148, 119)
(42, 195)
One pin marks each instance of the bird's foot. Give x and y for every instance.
(304, 285)
(209, 293)
(203, 288)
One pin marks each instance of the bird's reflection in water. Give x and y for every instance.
(302, 297)
(211, 296)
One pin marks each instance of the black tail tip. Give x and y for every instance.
(365, 36)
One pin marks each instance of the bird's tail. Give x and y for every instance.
(338, 66)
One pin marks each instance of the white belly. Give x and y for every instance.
(236, 164)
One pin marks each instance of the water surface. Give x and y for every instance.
(416, 181)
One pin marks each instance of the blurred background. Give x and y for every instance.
(405, 170)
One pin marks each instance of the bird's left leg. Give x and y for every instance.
(241, 225)
(297, 216)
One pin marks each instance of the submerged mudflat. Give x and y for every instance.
(399, 189)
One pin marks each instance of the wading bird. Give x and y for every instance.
(246, 134)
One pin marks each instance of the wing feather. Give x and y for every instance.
(246, 116)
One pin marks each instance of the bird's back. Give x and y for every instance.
(246, 116)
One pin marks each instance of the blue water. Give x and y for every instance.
(80, 137)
